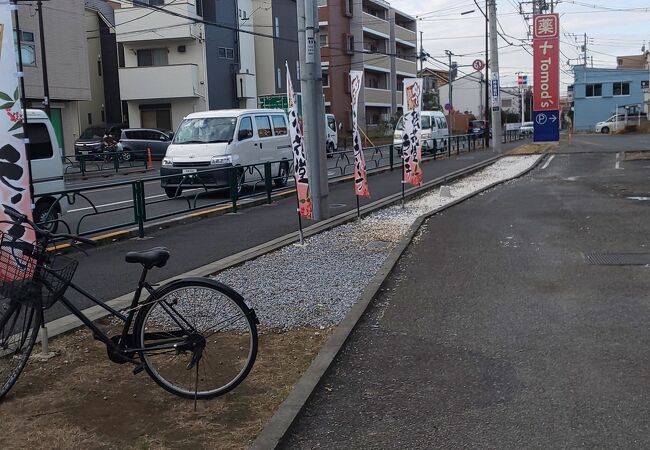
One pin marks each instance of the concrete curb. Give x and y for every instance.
(288, 412)
(70, 322)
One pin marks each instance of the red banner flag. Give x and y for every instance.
(411, 143)
(360, 178)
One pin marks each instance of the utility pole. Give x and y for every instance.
(494, 61)
(486, 115)
(451, 91)
(46, 84)
(313, 107)
(584, 49)
(421, 58)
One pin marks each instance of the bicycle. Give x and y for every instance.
(195, 337)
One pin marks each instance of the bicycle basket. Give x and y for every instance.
(31, 276)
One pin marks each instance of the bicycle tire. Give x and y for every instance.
(159, 321)
(16, 345)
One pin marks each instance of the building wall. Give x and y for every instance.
(90, 112)
(590, 110)
(467, 94)
(222, 93)
(264, 49)
(246, 85)
(284, 15)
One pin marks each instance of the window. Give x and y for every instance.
(40, 146)
(349, 43)
(99, 68)
(323, 39)
(152, 57)
(331, 123)
(278, 74)
(594, 90)
(90, 119)
(326, 78)
(226, 52)
(156, 116)
(221, 52)
(230, 53)
(199, 8)
(245, 129)
(321, 2)
(263, 126)
(279, 125)
(621, 88)
(27, 47)
(277, 26)
(205, 130)
(154, 2)
(349, 7)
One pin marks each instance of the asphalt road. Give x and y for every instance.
(104, 273)
(493, 332)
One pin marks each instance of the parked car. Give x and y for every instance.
(331, 133)
(90, 140)
(434, 128)
(223, 139)
(526, 129)
(47, 169)
(138, 140)
(615, 122)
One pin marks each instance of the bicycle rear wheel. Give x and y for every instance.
(198, 339)
(18, 331)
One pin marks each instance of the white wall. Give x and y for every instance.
(247, 54)
(264, 54)
(468, 94)
(96, 102)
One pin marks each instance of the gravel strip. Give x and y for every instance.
(317, 284)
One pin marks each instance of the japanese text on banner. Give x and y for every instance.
(14, 167)
(360, 178)
(298, 149)
(411, 144)
(546, 62)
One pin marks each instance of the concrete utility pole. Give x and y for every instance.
(494, 62)
(486, 114)
(451, 91)
(313, 107)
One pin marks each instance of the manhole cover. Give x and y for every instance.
(618, 259)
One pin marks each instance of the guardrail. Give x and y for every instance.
(215, 187)
(104, 162)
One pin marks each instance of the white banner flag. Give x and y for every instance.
(360, 178)
(298, 148)
(411, 144)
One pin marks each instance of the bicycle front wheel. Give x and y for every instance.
(197, 338)
(18, 330)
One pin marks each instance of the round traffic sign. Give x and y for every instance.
(478, 64)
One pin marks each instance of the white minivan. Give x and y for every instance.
(434, 126)
(47, 169)
(331, 133)
(207, 143)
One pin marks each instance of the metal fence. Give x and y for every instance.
(104, 162)
(146, 204)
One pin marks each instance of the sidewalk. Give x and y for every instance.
(493, 331)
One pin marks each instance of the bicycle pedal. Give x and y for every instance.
(139, 368)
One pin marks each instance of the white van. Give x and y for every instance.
(434, 126)
(331, 133)
(614, 123)
(46, 160)
(222, 139)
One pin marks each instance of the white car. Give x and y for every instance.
(526, 129)
(616, 122)
(434, 127)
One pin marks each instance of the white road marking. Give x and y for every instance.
(618, 161)
(106, 205)
(548, 162)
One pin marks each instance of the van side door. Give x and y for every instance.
(267, 142)
(246, 148)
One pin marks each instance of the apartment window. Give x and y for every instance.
(27, 47)
(322, 3)
(323, 39)
(277, 26)
(152, 57)
(230, 53)
(199, 8)
(278, 75)
(594, 90)
(348, 7)
(153, 2)
(156, 116)
(349, 43)
(226, 52)
(326, 78)
(621, 88)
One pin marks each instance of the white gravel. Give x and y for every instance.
(317, 284)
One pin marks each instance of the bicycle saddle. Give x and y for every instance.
(156, 256)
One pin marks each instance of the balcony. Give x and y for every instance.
(380, 62)
(378, 97)
(402, 66)
(129, 23)
(402, 34)
(159, 82)
(374, 24)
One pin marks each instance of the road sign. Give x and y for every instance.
(496, 95)
(546, 126)
(478, 64)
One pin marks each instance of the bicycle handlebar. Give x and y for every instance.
(22, 218)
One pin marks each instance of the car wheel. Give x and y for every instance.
(283, 176)
(126, 155)
(241, 179)
(46, 217)
(173, 192)
(604, 130)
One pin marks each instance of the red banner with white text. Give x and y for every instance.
(546, 62)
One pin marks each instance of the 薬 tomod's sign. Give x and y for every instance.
(546, 70)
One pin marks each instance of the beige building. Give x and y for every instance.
(67, 63)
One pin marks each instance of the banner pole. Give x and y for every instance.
(358, 208)
(402, 180)
(302, 237)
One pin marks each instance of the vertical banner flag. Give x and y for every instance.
(411, 145)
(299, 157)
(14, 169)
(546, 67)
(360, 179)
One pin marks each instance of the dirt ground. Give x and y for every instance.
(79, 399)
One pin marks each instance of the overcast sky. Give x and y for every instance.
(610, 32)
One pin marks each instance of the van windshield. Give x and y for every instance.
(205, 130)
(426, 122)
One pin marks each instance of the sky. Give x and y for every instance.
(613, 28)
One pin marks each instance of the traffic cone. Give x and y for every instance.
(149, 159)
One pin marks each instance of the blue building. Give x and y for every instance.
(600, 93)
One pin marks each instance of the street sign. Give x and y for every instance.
(546, 126)
(496, 95)
(478, 64)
